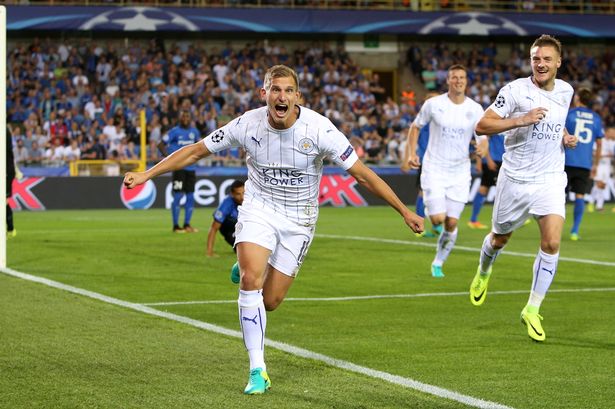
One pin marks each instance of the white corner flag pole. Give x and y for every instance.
(3, 134)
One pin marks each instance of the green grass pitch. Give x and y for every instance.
(364, 295)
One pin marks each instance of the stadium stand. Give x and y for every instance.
(81, 99)
(527, 6)
(76, 98)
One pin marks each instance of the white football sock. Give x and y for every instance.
(545, 267)
(599, 198)
(487, 255)
(253, 321)
(446, 242)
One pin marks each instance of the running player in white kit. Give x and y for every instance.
(532, 113)
(446, 173)
(285, 147)
(603, 172)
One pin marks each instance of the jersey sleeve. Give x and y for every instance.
(224, 137)
(504, 103)
(424, 115)
(336, 146)
(222, 211)
(478, 112)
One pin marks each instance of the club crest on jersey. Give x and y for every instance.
(218, 136)
(500, 101)
(306, 145)
(469, 115)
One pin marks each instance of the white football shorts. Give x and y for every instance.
(603, 172)
(445, 193)
(288, 241)
(515, 202)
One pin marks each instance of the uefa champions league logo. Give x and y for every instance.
(473, 23)
(139, 19)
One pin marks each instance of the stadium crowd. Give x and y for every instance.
(81, 100)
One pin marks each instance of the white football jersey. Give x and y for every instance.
(534, 153)
(451, 128)
(607, 152)
(284, 166)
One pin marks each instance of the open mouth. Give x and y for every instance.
(281, 109)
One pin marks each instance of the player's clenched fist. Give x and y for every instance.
(570, 141)
(132, 179)
(534, 116)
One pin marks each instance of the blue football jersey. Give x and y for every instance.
(496, 147)
(421, 145)
(226, 211)
(586, 125)
(179, 137)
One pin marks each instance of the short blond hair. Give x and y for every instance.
(546, 40)
(280, 71)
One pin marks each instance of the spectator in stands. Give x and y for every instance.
(94, 149)
(72, 151)
(36, 154)
(114, 135)
(54, 154)
(20, 152)
(428, 75)
(80, 81)
(376, 88)
(373, 147)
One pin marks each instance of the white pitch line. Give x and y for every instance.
(385, 296)
(303, 353)
(462, 248)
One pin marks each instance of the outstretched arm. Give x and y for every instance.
(411, 160)
(366, 177)
(211, 237)
(177, 160)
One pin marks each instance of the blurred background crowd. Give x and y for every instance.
(78, 99)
